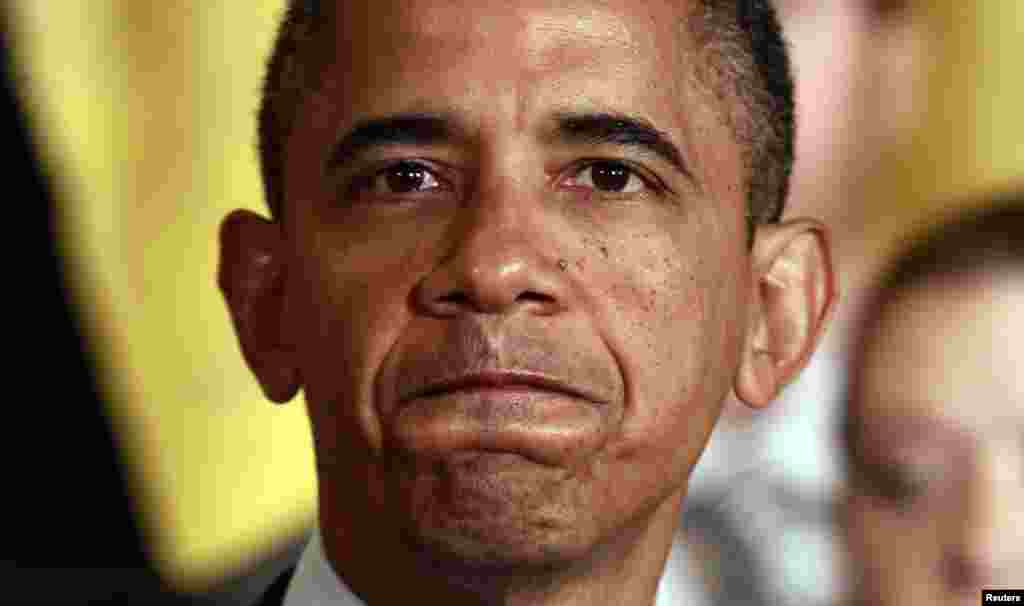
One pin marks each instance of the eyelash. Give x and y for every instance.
(362, 183)
(650, 182)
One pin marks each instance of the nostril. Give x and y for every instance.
(455, 298)
(534, 296)
(530, 296)
(457, 301)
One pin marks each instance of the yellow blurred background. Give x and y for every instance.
(145, 113)
(967, 138)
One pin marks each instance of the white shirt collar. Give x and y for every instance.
(316, 584)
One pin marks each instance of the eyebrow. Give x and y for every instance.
(903, 428)
(424, 128)
(397, 129)
(620, 129)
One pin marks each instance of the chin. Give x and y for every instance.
(470, 554)
(466, 551)
(523, 517)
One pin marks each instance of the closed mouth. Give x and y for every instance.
(501, 381)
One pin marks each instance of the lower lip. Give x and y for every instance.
(540, 425)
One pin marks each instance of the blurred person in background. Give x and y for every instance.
(857, 71)
(935, 417)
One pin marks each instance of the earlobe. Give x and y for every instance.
(756, 383)
(252, 279)
(790, 305)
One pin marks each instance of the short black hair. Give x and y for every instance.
(746, 66)
(987, 237)
(980, 239)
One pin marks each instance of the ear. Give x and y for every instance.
(793, 293)
(252, 278)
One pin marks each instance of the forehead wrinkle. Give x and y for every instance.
(534, 29)
(606, 47)
(539, 45)
(543, 36)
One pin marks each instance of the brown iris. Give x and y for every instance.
(609, 176)
(405, 177)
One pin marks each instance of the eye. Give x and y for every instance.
(402, 177)
(609, 176)
(905, 485)
(902, 485)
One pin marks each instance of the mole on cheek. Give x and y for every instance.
(652, 301)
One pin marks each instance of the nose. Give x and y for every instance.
(987, 549)
(502, 255)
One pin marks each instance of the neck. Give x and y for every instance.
(623, 571)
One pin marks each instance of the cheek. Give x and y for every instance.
(896, 552)
(349, 321)
(672, 338)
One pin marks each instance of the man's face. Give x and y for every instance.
(460, 205)
(935, 510)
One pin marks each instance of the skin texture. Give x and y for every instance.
(934, 516)
(647, 303)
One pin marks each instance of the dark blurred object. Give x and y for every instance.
(75, 540)
(75, 536)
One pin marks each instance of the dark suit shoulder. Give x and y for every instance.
(274, 596)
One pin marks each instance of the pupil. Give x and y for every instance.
(405, 178)
(609, 176)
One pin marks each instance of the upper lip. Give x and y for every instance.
(502, 379)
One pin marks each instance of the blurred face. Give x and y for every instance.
(938, 492)
(518, 273)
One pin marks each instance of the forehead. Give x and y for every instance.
(951, 349)
(514, 59)
(528, 27)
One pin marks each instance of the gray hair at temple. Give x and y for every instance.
(745, 64)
